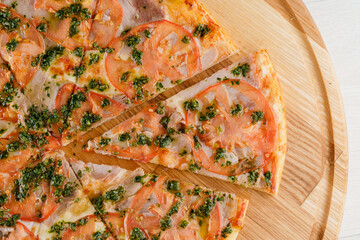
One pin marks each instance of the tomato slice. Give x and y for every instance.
(30, 44)
(116, 223)
(144, 125)
(225, 135)
(165, 56)
(150, 214)
(52, 5)
(107, 20)
(98, 105)
(88, 230)
(21, 232)
(58, 31)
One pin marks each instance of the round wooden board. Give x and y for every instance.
(312, 193)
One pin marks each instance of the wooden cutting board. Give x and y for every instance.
(312, 193)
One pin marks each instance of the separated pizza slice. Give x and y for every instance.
(230, 126)
(136, 205)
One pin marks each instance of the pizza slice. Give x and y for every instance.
(230, 126)
(137, 205)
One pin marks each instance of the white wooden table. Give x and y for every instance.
(339, 24)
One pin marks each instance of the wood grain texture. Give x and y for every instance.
(311, 198)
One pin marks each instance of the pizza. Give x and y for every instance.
(230, 126)
(67, 66)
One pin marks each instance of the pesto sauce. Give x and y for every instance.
(7, 22)
(97, 84)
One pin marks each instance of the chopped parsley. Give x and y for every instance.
(14, 4)
(106, 102)
(173, 185)
(140, 81)
(38, 119)
(236, 109)
(137, 234)
(100, 235)
(142, 140)
(165, 223)
(191, 105)
(257, 116)
(164, 121)
(47, 58)
(97, 84)
(253, 176)
(124, 137)
(115, 194)
(140, 179)
(125, 76)
(201, 30)
(185, 40)
(104, 142)
(220, 153)
(206, 208)
(42, 27)
(267, 176)
(197, 143)
(88, 119)
(226, 231)
(75, 9)
(133, 41)
(8, 23)
(209, 114)
(7, 95)
(74, 27)
(94, 58)
(184, 223)
(12, 45)
(79, 70)
(163, 141)
(147, 33)
(241, 69)
(3, 198)
(136, 56)
(76, 100)
(10, 221)
(79, 52)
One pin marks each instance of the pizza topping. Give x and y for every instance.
(107, 20)
(241, 69)
(158, 53)
(84, 228)
(19, 44)
(20, 232)
(47, 58)
(44, 180)
(235, 128)
(201, 30)
(69, 25)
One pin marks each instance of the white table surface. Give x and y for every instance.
(339, 25)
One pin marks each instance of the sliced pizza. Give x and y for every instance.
(230, 126)
(137, 205)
